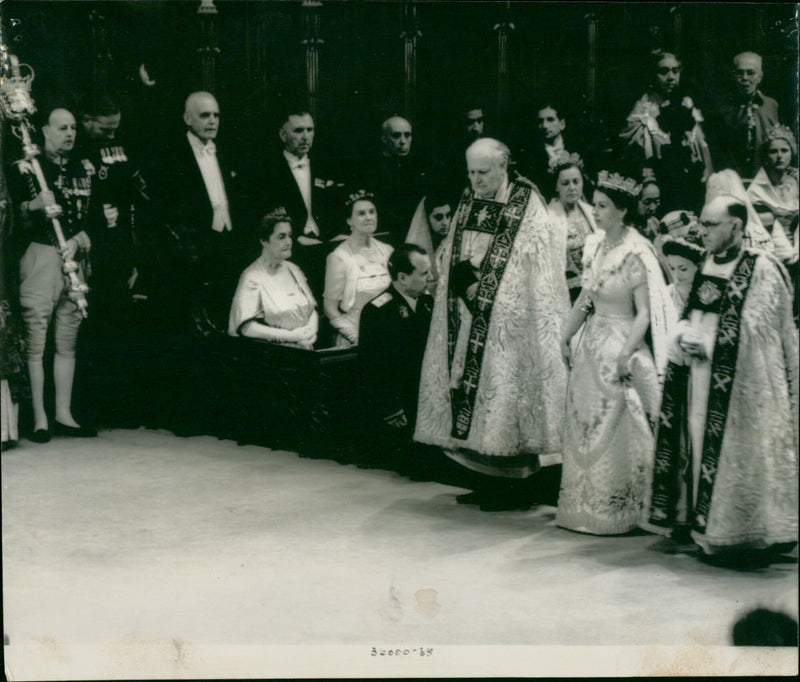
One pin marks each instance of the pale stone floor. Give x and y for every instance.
(140, 554)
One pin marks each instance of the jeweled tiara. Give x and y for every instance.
(619, 183)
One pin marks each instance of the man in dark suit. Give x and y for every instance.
(392, 337)
(201, 198)
(309, 195)
(740, 127)
(547, 145)
(397, 178)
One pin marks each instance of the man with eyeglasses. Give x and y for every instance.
(647, 207)
(725, 470)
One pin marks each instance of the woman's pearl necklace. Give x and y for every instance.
(370, 252)
(607, 246)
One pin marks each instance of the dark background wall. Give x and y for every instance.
(261, 60)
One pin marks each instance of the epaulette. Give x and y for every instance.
(381, 300)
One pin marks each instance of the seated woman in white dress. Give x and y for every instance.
(572, 214)
(774, 192)
(273, 301)
(356, 271)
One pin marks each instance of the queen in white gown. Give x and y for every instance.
(613, 392)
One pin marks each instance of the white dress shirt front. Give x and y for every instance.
(553, 150)
(206, 156)
(301, 170)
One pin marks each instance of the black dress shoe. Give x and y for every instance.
(60, 429)
(8, 445)
(40, 436)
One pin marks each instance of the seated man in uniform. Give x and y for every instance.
(393, 331)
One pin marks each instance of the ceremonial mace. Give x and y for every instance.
(16, 105)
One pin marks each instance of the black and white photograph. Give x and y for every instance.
(401, 338)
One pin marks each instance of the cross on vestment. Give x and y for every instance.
(482, 216)
(497, 258)
(484, 300)
(727, 336)
(736, 289)
(721, 382)
(477, 342)
(471, 383)
(513, 212)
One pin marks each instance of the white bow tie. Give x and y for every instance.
(209, 149)
(300, 164)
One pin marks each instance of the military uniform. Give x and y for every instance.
(43, 293)
(112, 339)
(118, 184)
(392, 338)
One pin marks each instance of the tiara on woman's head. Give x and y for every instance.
(675, 220)
(687, 245)
(277, 214)
(562, 158)
(359, 195)
(617, 182)
(781, 132)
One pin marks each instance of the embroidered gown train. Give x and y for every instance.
(608, 438)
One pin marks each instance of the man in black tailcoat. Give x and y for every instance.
(202, 199)
(307, 191)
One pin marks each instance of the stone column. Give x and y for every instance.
(208, 49)
(312, 42)
(101, 64)
(677, 30)
(409, 35)
(503, 29)
(591, 64)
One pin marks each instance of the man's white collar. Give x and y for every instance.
(198, 144)
(291, 158)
